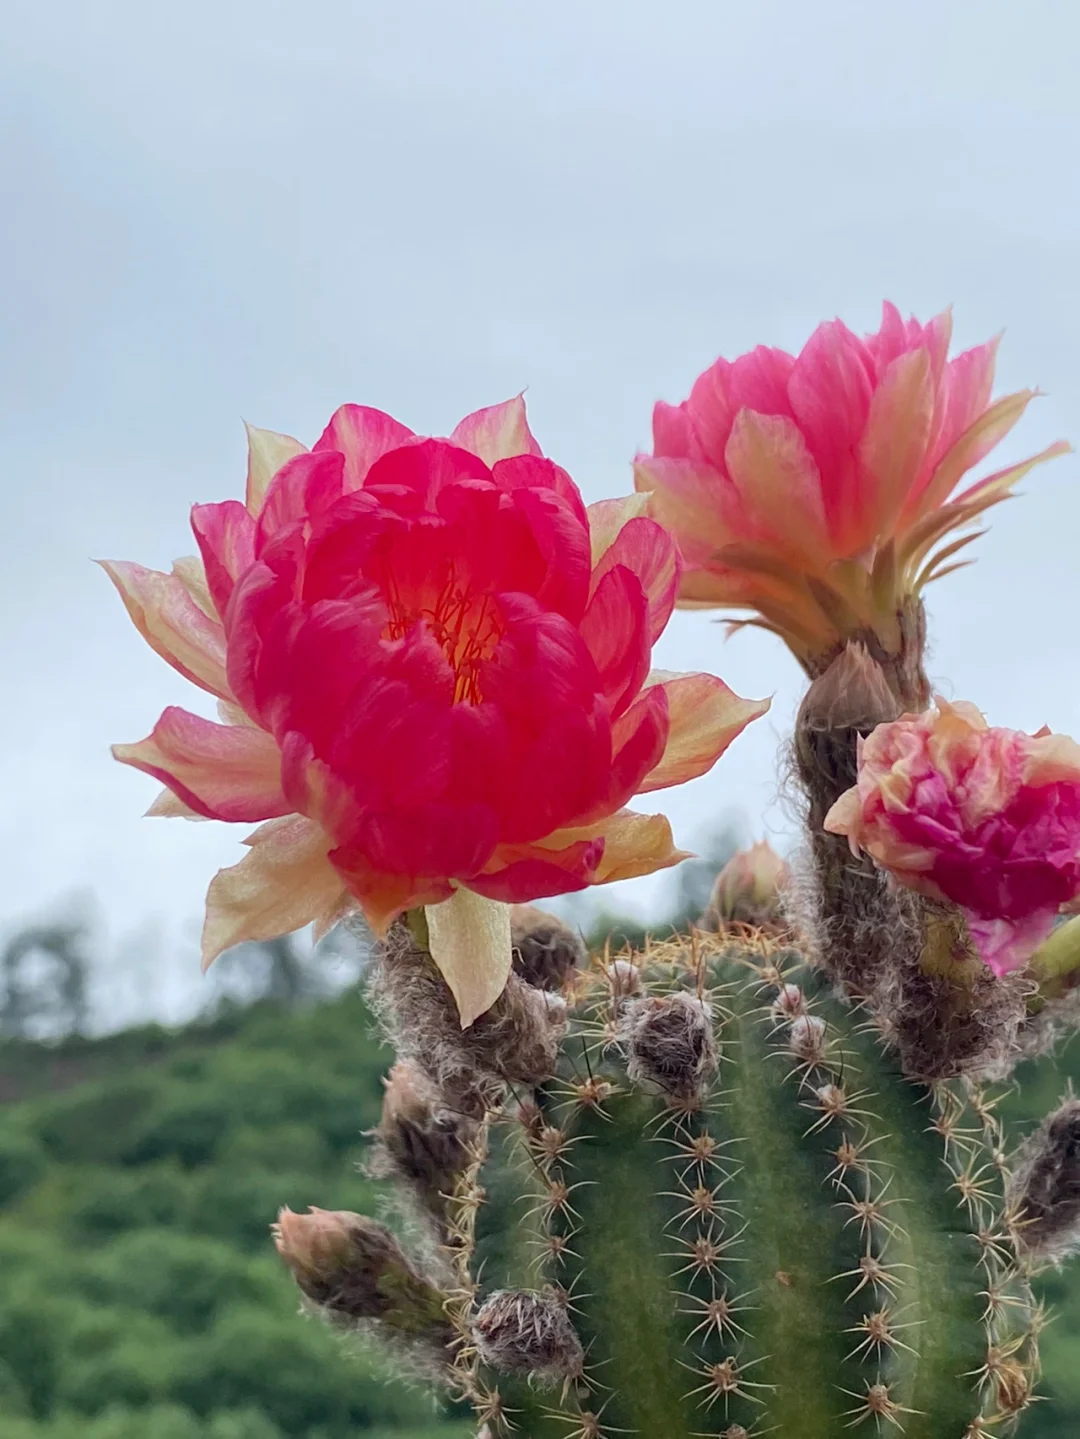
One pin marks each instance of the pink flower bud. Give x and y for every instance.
(988, 819)
(747, 889)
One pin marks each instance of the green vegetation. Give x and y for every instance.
(139, 1294)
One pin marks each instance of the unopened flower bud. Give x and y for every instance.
(670, 1043)
(524, 1331)
(546, 951)
(748, 889)
(354, 1268)
(422, 1140)
(1045, 1187)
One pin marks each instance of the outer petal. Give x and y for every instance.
(363, 436)
(229, 772)
(564, 862)
(172, 624)
(634, 844)
(607, 517)
(191, 572)
(704, 716)
(284, 883)
(497, 433)
(171, 806)
(650, 552)
(303, 488)
(470, 943)
(687, 498)
(267, 452)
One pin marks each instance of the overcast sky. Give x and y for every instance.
(261, 210)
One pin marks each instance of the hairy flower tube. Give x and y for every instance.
(432, 668)
(817, 490)
(986, 818)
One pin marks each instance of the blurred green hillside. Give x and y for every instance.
(140, 1297)
(139, 1294)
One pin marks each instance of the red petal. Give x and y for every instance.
(615, 629)
(650, 552)
(226, 536)
(305, 486)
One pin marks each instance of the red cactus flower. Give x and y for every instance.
(432, 664)
(816, 490)
(986, 818)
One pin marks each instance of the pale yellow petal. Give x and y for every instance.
(470, 943)
(267, 452)
(284, 883)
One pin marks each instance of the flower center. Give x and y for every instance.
(466, 625)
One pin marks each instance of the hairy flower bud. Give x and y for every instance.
(670, 1043)
(354, 1269)
(1045, 1188)
(546, 951)
(422, 1140)
(523, 1331)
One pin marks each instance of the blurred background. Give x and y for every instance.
(261, 210)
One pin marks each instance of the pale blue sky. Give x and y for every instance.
(217, 210)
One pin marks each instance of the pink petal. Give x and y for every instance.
(648, 551)
(607, 517)
(226, 536)
(267, 452)
(306, 486)
(973, 445)
(1006, 945)
(779, 486)
(363, 436)
(686, 498)
(284, 883)
(671, 431)
(229, 772)
(894, 445)
(497, 432)
(615, 630)
(172, 624)
(704, 716)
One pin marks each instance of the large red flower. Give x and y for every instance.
(433, 669)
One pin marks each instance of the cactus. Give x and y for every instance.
(746, 1182)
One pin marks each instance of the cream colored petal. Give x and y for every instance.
(283, 884)
(267, 452)
(470, 943)
(171, 806)
(704, 716)
(191, 572)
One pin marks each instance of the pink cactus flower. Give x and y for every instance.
(432, 668)
(817, 490)
(986, 818)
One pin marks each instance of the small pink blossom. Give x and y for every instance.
(986, 818)
(818, 490)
